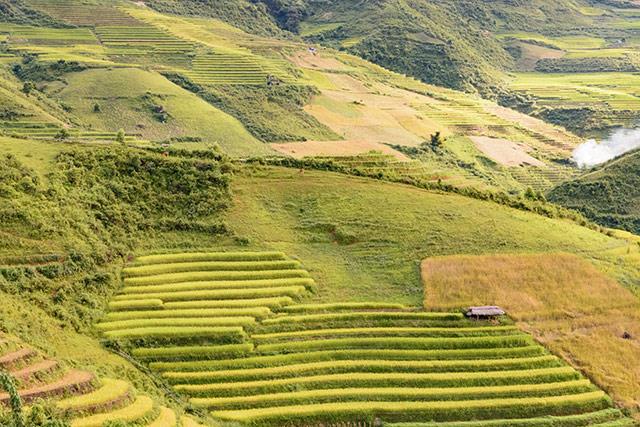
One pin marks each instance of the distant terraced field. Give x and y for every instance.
(228, 331)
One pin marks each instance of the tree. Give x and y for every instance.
(8, 383)
(28, 87)
(121, 137)
(437, 140)
(530, 194)
(97, 108)
(62, 135)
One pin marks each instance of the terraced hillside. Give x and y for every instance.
(309, 103)
(79, 396)
(226, 331)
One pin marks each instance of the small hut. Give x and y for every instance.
(486, 312)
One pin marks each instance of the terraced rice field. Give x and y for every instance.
(378, 163)
(87, 15)
(23, 34)
(50, 131)
(615, 90)
(142, 38)
(228, 331)
(542, 178)
(86, 399)
(231, 68)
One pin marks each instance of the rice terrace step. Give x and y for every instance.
(239, 336)
(85, 399)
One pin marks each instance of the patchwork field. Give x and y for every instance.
(387, 109)
(224, 329)
(561, 299)
(615, 90)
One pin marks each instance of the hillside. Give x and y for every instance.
(552, 59)
(160, 78)
(214, 214)
(608, 195)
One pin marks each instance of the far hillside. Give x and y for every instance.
(552, 59)
(166, 77)
(609, 195)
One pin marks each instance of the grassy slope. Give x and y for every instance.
(563, 300)
(120, 92)
(363, 240)
(609, 195)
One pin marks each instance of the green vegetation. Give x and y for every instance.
(149, 232)
(272, 114)
(360, 358)
(607, 195)
(127, 97)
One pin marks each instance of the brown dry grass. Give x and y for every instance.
(563, 300)
(506, 152)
